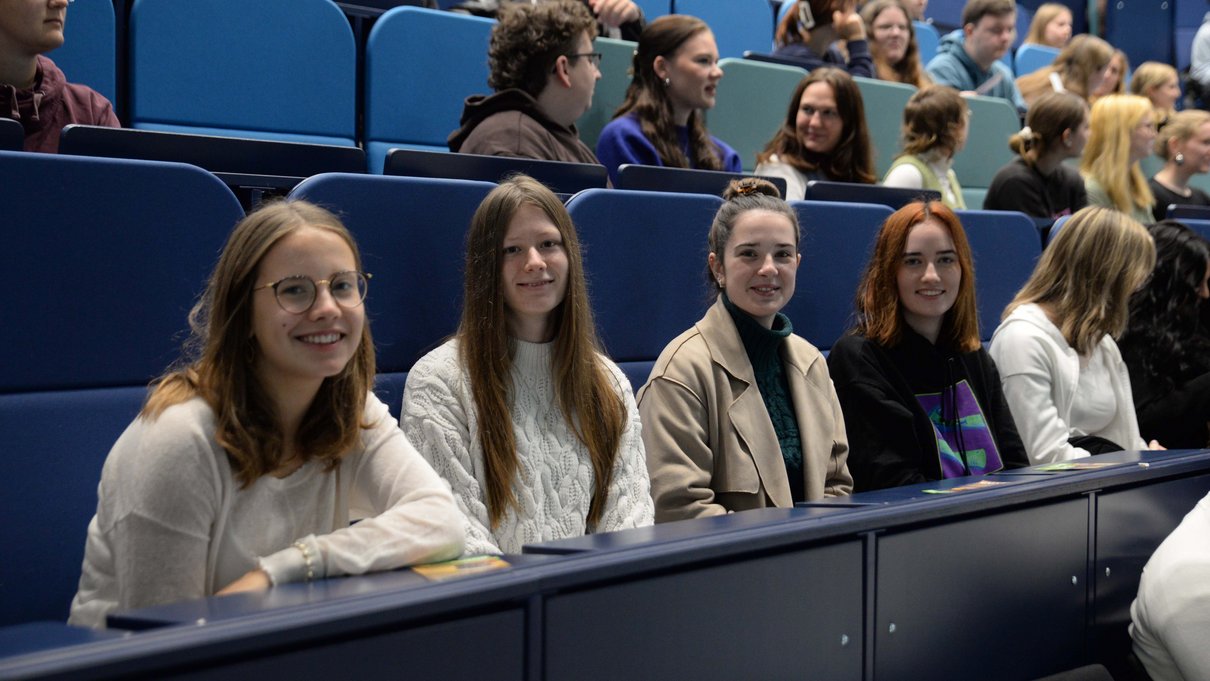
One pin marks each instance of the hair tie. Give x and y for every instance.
(1026, 133)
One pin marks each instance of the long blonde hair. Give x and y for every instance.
(1106, 157)
(587, 395)
(221, 357)
(1047, 13)
(1080, 59)
(1087, 274)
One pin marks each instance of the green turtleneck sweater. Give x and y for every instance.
(764, 352)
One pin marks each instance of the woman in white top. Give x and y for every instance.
(935, 124)
(1063, 377)
(536, 431)
(242, 467)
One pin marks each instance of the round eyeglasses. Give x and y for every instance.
(297, 294)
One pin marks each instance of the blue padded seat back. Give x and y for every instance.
(992, 121)
(1030, 58)
(645, 261)
(836, 241)
(54, 444)
(110, 255)
(1005, 247)
(738, 25)
(927, 41)
(88, 54)
(280, 66)
(421, 65)
(412, 234)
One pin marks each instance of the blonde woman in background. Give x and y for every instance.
(1161, 84)
(1123, 130)
(1051, 26)
(1184, 144)
(1063, 376)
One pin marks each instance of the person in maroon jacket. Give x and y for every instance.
(33, 91)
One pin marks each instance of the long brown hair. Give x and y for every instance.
(1048, 118)
(879, 312)
(647, 97)
(587, 392)
(1087, 274)
(908, 69)
(852, 159)
(221, 357)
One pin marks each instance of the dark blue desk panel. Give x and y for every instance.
(763, 617)
(31, 637)
(986, 597)
(286, 596)
(1131, 523)
(482, 647)
(680, 530)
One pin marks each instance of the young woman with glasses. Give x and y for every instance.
(823, 136)
(534, 429)
(893, 43)
(240, 470)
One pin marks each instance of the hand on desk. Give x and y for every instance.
(255, 580)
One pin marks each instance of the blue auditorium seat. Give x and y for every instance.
(88, 54)
(421, 65)
(927, 40)
(271, 69)
(411, 232)
(836, 242)
(12, 135)
(1006, 248)
(738, 25)
(646, 273)
(1030, 58)
(109, 256)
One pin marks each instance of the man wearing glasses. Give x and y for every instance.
(33, 91)
(543, 71)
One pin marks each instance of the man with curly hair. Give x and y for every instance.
(543, 71)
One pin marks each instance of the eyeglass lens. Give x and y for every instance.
(297, 294)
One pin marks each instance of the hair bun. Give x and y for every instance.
(750, 186)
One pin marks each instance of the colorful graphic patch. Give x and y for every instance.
(971, 429)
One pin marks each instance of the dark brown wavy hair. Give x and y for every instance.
(221, 356)
(879, 312)
(647, 97)
(529, 39)
(587, 392)
(852, 159)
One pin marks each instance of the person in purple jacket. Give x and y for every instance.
(660, 123)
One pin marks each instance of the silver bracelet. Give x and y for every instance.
(306, 552)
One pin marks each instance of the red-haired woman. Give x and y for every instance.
(534, 429)
(921, 397)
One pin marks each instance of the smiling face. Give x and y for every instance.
(1164, 95)
(1196, 149)
(818, 122)
(1142, 137)
(298, 351)
(692, 73)
(890, 34)
(759, 264)
(1058, 31)
(928, 278)
(533, 274)
(31, 27)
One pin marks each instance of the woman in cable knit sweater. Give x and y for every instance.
(535, 430)
(242, 466)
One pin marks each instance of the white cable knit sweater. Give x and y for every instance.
(554, 478)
